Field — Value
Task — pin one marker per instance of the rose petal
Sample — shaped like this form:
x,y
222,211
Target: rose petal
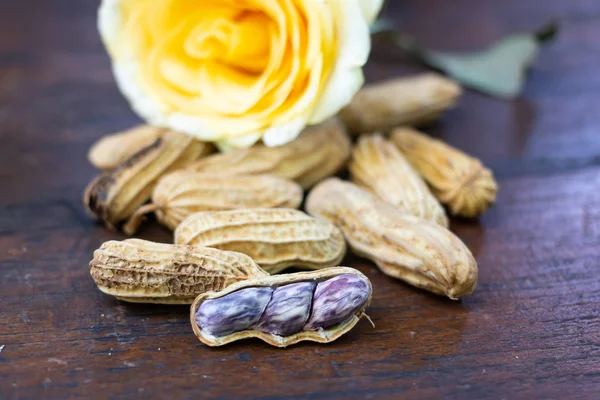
x,y
109,22
127,79
282,134
347,77
342,87
194,126
354,36
238,142
371,9
135,38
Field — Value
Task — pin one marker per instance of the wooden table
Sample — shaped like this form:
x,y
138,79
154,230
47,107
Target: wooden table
x,y
531,329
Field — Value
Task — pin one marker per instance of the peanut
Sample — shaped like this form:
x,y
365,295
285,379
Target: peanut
x,y
380,168
288,310
274,238
144,272
408,101
320,152
421,253
185,192
114,196
282,310
111,150
336,299
458,180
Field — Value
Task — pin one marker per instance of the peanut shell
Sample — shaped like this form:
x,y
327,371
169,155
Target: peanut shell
x,y
320,152
458,180
115,196
274,238
183,193
410,101
324,335
111,150
419,252
380,168
139,271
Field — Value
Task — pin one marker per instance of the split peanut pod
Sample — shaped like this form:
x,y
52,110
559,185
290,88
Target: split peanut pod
x,y
282,310
183,193
379,167
274,238
410,101
321,151
111,150
421,253
114,196
139,271
458,180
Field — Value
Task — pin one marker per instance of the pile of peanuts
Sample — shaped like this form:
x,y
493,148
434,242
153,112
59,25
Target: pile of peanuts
x,y
237,225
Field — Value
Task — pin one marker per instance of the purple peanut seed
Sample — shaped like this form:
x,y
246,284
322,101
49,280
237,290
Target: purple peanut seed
x,y
288,309
234,312
336,299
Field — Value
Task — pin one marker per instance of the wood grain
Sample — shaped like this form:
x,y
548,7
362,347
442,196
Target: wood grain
x,y
531,329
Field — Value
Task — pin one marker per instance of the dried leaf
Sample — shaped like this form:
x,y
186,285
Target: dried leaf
x,y
499,70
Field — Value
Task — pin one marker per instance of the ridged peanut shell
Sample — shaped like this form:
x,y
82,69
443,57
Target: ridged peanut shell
x,y
411,101
379,167
185,192
320,336
460,181
274,238
421,253
319,152
111,150
114,196
139,271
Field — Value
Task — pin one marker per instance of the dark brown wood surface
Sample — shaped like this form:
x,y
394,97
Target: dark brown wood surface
x,y
531,329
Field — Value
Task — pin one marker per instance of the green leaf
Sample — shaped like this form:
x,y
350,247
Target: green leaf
x,y
382,25
498,71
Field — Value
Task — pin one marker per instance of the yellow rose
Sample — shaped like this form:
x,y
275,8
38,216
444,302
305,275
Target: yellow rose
x,y
237,71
